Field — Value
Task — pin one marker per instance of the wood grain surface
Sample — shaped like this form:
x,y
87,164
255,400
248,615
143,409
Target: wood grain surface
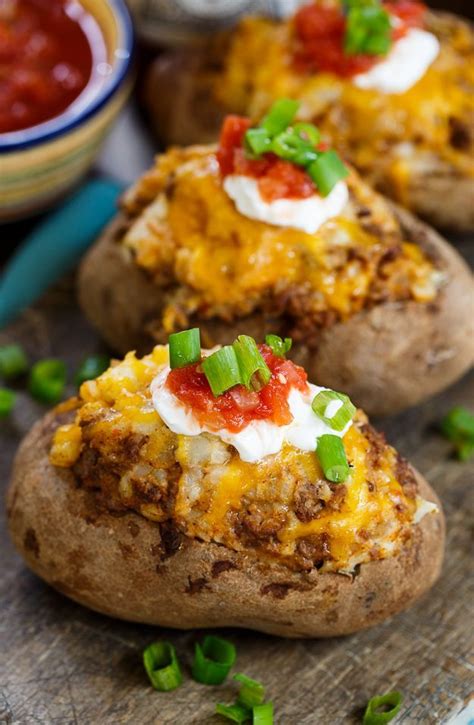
x,y
62,664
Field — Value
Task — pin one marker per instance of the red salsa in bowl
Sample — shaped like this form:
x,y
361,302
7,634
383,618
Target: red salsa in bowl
x,y
51,52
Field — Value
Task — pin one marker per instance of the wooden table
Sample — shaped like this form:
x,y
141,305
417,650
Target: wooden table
x,y
62,664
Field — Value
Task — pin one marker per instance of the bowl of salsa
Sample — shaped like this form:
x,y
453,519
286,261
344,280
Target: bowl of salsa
x,y
64,76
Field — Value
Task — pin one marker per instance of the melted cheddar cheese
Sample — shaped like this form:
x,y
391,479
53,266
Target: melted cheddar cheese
x,y
187,234
281,506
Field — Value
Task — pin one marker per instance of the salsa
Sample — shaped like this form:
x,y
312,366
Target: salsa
x,y
238,406
277,179
320,32
48,49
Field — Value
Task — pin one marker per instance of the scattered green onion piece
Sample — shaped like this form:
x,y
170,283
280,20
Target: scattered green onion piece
x,y
458,423
307,132
47,380
213,660
236,713
7,402
280,116
222,370
251,692
91,367
368,31
287,145
263,714
376,715
279,347
162,666
254,372
332,457
326,171
465,450
341,417
184,348
258,141
13,361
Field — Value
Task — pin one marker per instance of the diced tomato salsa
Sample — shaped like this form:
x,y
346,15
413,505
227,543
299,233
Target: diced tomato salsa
x,y
320,34
46,60
237,407
277,179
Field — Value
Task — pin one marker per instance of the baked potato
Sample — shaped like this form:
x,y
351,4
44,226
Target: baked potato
x,y
125,516
415,145
377,304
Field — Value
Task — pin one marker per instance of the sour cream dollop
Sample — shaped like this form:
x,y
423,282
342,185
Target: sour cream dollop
x,y
407,62
259,438
307,214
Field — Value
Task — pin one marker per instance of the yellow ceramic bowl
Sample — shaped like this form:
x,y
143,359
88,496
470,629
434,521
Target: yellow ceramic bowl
x,y
39,164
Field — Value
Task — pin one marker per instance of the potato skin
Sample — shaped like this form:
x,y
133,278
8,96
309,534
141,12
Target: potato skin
x,y
388,358
179,97
126,566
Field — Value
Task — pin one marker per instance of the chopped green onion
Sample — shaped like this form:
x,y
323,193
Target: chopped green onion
x,y
162,666
383,708
279,347
341,417
13,361
254,372
458,423
91,367
184,348
251,692
263,714
47,380
258,140
222,370
332,457
289,146
7,402
307,132
465,450
326,171
368,31
236,713
280,115
213,660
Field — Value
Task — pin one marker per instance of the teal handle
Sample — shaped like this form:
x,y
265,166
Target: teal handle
x,y
55,246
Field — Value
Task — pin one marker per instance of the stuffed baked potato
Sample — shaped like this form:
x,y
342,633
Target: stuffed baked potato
x,y
408,127
377,304
224,515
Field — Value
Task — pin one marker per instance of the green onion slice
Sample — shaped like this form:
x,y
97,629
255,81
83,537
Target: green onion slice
x,y
91,367
382,708
236,713
279,347
368,30
184,348
162,666
7,402
47,380
326,171
458,423
251,692
280,116
341,417
307,132
254,372
263,714
213,660
289,146
13,361
222,370
465,450
332,457
258,141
